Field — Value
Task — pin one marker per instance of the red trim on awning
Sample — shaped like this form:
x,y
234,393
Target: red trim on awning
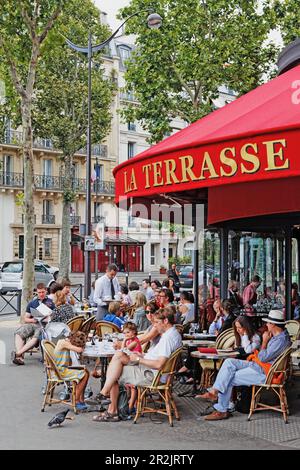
x,y
259,198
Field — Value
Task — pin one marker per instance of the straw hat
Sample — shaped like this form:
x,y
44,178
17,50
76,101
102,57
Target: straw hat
x,y
275,316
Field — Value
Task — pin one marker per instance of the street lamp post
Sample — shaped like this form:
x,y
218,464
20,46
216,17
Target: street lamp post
x,y
154,21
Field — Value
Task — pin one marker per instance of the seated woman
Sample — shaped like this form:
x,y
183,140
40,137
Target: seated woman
x,y
187,308
151,334
75,342
125,297
113,315
139,317
246,339
63,311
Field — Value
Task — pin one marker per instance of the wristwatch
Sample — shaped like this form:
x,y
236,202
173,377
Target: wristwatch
x,y
138,360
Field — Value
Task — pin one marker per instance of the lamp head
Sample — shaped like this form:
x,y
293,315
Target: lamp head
x,y
154,21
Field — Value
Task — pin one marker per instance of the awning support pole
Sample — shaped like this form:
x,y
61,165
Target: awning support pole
x,y
288,272
224,263
196,264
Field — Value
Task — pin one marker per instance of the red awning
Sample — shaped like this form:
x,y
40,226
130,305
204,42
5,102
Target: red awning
x,y
253,139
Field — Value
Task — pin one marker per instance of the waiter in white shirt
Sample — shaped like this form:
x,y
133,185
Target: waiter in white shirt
x,y
106,288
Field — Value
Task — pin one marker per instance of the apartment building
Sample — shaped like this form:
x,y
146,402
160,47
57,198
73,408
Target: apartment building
x,y
136,244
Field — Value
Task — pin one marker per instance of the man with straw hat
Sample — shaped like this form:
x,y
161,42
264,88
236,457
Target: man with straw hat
x,y
236,372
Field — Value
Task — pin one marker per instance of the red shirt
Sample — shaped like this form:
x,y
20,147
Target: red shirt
x,y
138,347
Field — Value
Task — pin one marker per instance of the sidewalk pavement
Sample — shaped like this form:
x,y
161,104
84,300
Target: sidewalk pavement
x,y
23,426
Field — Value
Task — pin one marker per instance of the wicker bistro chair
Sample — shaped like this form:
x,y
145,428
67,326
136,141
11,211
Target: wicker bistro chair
x,y
167,404
54,379
279,371
75,323
87,325
129,311
293,327
209,366
103,327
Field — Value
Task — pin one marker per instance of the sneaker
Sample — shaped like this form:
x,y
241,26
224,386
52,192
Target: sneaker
x,y
80,406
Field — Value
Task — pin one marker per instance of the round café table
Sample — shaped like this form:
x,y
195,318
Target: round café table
x,y
103,351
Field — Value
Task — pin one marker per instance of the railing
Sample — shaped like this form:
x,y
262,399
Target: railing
x,y
56,183
98,150
48,219
48,182
15,180
75,219
103,187
12,137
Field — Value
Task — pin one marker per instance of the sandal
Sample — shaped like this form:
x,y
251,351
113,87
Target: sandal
x,y
106,417
16,360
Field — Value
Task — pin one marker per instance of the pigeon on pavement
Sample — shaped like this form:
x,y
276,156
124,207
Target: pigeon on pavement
x,y
58,419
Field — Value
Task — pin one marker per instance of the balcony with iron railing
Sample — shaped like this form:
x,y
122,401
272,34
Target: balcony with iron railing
x,y
48,219
13,137
56,183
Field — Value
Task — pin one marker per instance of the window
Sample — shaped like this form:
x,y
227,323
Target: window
x,y
47,173
7,164
47,207
125,53
152,254
132,126
48,247
131,150
7,169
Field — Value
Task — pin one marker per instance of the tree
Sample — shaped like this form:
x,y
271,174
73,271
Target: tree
x,y
176,71
24,27
288,19
60,111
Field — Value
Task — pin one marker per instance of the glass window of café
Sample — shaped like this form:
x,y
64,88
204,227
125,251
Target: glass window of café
x,y
249,253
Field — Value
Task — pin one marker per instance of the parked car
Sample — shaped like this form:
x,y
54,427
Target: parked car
x,y
11,275
186,274
54,270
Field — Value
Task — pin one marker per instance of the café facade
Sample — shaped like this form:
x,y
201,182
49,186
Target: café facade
x,y
242,164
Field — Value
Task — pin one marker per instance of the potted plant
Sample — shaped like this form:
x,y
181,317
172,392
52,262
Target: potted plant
x,y
162,269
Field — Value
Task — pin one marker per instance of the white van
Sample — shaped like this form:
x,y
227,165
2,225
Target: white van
x,y
11,275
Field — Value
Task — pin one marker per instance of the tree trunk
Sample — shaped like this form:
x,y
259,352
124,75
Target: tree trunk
x,y
65,247
28,272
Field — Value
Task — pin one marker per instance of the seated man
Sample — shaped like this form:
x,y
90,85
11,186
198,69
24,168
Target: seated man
x,y
236,372
138,368
31,328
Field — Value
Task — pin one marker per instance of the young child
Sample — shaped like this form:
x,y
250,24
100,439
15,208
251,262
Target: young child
x,y
113,315
75,342
131,343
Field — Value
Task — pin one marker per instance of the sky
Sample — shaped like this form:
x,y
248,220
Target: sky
x,y
111,7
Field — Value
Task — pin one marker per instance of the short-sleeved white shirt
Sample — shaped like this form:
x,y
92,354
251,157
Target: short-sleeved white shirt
x,y
168,343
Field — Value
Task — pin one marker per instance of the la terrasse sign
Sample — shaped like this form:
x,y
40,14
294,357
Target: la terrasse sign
x,y
245,160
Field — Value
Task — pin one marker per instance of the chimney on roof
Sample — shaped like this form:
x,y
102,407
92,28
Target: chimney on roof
x,y
103,18
289,57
